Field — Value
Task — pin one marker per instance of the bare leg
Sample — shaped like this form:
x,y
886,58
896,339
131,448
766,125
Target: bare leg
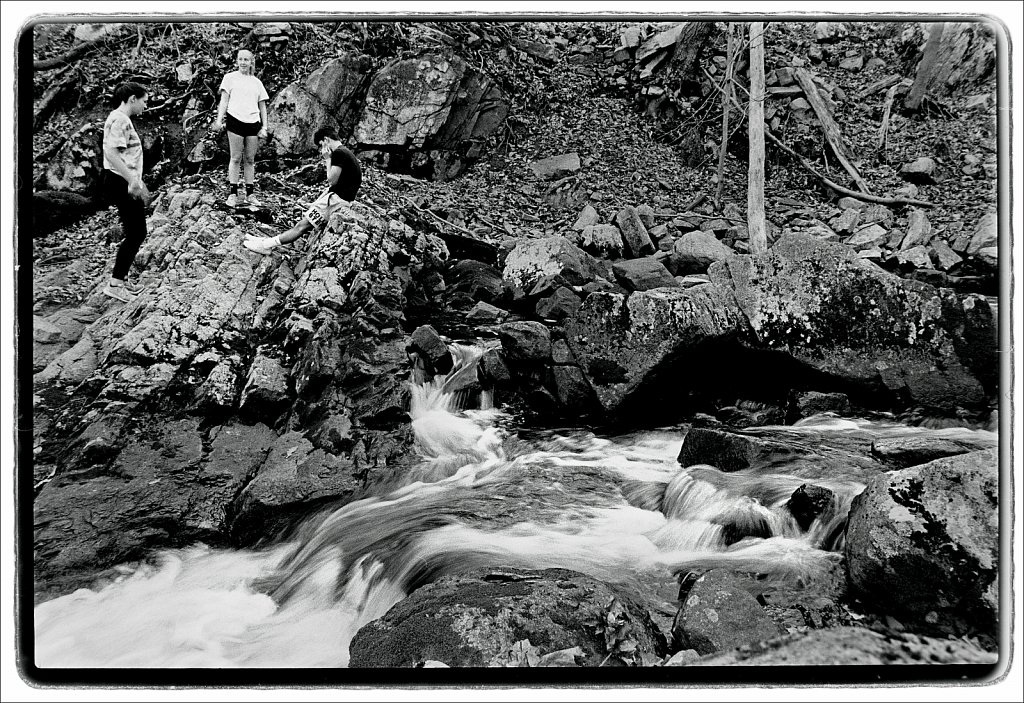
x,y
295,232
249,159
236,144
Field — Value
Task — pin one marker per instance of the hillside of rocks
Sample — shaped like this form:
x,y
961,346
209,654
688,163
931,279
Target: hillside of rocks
x,y
555,196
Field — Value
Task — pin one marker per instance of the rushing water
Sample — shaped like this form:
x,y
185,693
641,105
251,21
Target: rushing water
x,y
615,508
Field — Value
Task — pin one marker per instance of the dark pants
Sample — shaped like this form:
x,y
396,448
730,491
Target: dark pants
x,y
133,221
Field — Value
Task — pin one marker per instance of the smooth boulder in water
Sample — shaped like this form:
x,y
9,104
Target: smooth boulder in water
x,y
923,543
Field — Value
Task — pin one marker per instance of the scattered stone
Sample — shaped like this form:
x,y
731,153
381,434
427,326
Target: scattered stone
x,y
695,251
846,221
852,63
808,503
643,274
830,32
799,105
920,171
556,258
588,216
560,352
525,341
693,280
867,237
908,191
601,240
486,314
846,202
814,403
572,390
919,230
986,234
719,614
877,213
634,234
916,257
943,256
556,166
646,215
875,63
559,305
922,544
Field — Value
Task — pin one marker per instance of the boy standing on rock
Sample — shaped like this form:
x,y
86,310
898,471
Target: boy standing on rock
x,y
344,176
121,181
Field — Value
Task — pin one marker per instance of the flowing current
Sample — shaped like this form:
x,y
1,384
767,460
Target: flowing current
x,y
620,509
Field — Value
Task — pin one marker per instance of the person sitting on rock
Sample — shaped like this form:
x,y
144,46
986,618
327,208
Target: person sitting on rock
x,y
344,176
243,110
121,182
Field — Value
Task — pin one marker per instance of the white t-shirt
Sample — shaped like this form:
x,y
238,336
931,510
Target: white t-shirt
x,y
244,96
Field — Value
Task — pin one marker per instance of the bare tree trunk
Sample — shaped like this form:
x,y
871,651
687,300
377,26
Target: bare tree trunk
x,y
755,126
883,131
726,109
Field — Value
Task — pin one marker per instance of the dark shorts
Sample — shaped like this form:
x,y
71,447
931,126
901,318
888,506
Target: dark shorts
x,y
243,129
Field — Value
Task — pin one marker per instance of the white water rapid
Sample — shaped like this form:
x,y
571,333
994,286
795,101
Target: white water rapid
x,y
612,508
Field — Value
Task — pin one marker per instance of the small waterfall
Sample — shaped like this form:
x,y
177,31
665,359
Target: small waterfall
x,y
614,508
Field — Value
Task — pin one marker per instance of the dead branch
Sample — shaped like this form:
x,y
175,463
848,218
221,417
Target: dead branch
x,y
878,85
726,109
828,125
435,216
68,56
830,183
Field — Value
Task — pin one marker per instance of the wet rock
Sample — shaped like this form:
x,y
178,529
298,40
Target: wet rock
x,y
265,394
588,216
814,402
429,344
920,171
479,280
731,451
601,240
555,258
808,503
719,614
853,645
486,314
903,452
525,341
922,544
294,479
556,166
559,305
572,390
479,618
643,274
695,251
634,234
494,369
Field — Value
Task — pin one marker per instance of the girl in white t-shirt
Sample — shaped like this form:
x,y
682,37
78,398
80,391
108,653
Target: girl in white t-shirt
x,y
243,110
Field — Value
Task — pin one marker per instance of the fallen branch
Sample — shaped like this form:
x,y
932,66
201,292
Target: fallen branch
x,y
866,197
435,216
68,56
828,126
878,85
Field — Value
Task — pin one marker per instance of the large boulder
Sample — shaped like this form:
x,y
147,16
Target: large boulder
x,y
923,544
902,340
553,258
695,251
647,273
499,617
618,340
433,104
293,116
77,165
340,85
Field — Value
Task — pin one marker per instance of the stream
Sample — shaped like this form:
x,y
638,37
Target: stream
x,y
617,508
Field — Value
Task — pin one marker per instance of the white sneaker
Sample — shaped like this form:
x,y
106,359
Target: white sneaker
x,y
232,200
260,245
118,292
253,202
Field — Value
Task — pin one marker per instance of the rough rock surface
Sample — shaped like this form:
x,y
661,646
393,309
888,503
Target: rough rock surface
x,y
922,543
554,258
479,618
719,614
852,645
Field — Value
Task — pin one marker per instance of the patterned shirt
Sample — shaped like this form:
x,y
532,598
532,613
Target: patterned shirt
x,y
119,132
